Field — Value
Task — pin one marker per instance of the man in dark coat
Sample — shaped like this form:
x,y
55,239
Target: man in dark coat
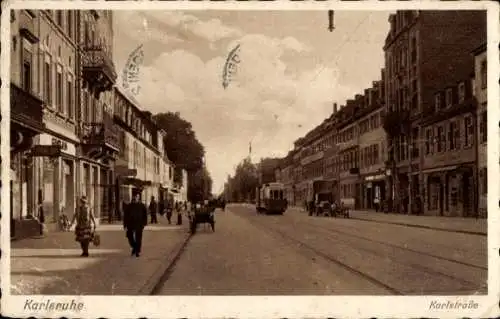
x,y
134,221
152,210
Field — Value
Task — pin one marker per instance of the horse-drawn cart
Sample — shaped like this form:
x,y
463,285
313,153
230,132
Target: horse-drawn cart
x,y
203,215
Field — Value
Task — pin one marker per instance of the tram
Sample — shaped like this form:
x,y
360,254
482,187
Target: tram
x,y
271,199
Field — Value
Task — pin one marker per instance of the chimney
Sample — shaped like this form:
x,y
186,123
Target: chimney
x,y
335,109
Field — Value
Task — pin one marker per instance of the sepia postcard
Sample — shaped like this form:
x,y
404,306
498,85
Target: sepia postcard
x,y
250,159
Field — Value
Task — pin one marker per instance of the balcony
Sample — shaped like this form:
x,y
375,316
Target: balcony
x,y
101,140
26,109
27,26
98,69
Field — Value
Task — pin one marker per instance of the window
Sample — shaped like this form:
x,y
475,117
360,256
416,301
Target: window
x,y
449,97
69,23
437,101
484,74
451,135
27,76
441,145
483,127
60,91
468,131
69,98
375,154
86,108
428,141
59,17
47,76
461,92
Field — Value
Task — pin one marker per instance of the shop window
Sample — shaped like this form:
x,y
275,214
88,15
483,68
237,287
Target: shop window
x,y
434,196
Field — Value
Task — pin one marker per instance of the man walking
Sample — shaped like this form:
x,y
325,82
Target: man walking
x,y
134,221
152,210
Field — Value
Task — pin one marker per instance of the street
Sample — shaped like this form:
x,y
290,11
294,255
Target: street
x,y
294,254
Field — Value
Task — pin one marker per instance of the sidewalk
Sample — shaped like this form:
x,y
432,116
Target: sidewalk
x,y
52,265
452,224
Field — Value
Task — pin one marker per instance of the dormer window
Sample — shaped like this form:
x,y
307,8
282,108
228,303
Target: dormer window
x,y
461,92
437,101
449,97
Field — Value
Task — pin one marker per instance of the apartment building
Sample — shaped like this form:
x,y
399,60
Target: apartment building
x,y
480,92
372,147
27,122
450,152
96,129
420,47
139,160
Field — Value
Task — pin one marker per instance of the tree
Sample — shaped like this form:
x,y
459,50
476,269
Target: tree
x,y
184,149
181,144
245,180
200,185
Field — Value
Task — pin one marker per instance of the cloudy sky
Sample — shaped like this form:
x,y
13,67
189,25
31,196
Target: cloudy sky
x,y
291,71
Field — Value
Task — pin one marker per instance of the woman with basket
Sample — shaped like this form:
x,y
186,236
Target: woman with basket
x,y
85,226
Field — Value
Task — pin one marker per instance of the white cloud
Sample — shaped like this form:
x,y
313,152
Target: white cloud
x,y
266,104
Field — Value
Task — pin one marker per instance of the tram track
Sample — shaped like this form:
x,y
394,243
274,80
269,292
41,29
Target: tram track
x,y
398,246
412,265
273,231
329,235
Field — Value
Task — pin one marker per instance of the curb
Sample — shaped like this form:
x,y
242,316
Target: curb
x,y
422,226
156,280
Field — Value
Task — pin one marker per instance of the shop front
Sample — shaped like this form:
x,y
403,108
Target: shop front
x,y
374,190
451,191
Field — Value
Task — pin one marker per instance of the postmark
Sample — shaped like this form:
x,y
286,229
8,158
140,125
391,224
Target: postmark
x,y
231,66
131,71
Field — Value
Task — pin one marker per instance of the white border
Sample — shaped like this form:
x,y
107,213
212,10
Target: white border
x,y
265,306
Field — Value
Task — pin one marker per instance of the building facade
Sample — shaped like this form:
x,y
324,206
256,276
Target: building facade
x,y
139,159
450,152
480,92
414,66
99,146
372,148
27,105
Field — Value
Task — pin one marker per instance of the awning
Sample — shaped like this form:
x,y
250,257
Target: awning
x,y
136,182
440,169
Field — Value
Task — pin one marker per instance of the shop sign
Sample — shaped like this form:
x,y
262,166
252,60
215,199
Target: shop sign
x,y
374,177
64,145
46,151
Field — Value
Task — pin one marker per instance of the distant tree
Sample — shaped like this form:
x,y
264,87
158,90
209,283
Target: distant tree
x,y
245,180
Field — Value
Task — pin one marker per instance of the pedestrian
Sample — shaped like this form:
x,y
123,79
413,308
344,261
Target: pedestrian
x,y
134,221
376,202
152,210
169,211
85,225
179,215
161,205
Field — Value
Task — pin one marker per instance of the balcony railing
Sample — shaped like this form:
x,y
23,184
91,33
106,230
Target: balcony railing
x,y
104,133
25,107
96,62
